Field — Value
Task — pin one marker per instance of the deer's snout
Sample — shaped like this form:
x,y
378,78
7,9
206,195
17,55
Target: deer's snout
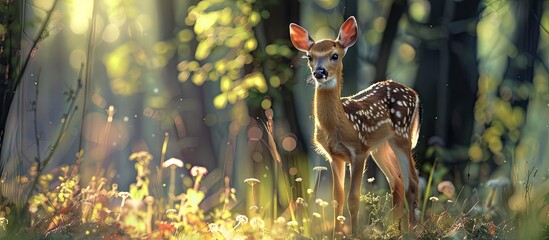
x,y
320,73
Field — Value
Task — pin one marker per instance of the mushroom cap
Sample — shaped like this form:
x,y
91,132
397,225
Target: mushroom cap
x,y
198,170
124,194
433,198
172,162
149,199
171,211
320,168
141,155
446,187
251,181
498,182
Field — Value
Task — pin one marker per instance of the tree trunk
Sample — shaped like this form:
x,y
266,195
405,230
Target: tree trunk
x,y
10,59
447,78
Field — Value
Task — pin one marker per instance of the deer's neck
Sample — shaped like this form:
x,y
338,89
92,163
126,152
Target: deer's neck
x,y
328,109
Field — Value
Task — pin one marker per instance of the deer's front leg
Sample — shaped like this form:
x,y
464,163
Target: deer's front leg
x,y
338,181
357,172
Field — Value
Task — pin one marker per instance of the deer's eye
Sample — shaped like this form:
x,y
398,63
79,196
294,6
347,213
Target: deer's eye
x,y
334,57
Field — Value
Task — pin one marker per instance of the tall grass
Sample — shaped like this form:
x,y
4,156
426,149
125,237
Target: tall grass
x,y
63,206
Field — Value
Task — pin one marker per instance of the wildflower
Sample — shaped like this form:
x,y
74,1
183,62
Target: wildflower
x,y
280,220
299,200
85,207
323,204
292,224
371,180
213,227
446,188
491,228
114,190
341,219
299,179
257,223
166,229
33,209
309,191
433,199
102,182
3,222
242,218
334,203
317,215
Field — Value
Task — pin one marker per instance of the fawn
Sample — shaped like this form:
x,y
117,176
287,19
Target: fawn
x,y
382,120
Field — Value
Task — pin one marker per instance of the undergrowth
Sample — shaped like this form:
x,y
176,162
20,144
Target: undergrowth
x,y
64,207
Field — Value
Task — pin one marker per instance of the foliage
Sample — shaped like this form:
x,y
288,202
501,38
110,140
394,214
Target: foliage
x,y
62,209
231,51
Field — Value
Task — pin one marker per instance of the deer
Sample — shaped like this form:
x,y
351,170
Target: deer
x,y
381,121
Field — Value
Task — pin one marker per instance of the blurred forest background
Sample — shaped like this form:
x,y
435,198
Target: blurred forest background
x,y
89,82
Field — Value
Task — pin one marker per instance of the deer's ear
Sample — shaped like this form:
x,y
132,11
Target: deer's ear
x,y
300,38
348,33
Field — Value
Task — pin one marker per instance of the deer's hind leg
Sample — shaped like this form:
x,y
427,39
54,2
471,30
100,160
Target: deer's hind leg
x,y
387,162
402,150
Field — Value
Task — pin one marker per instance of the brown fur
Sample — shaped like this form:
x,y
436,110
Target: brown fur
x,y
380,121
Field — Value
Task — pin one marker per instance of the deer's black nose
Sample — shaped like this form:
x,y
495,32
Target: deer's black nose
x,y
320,73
